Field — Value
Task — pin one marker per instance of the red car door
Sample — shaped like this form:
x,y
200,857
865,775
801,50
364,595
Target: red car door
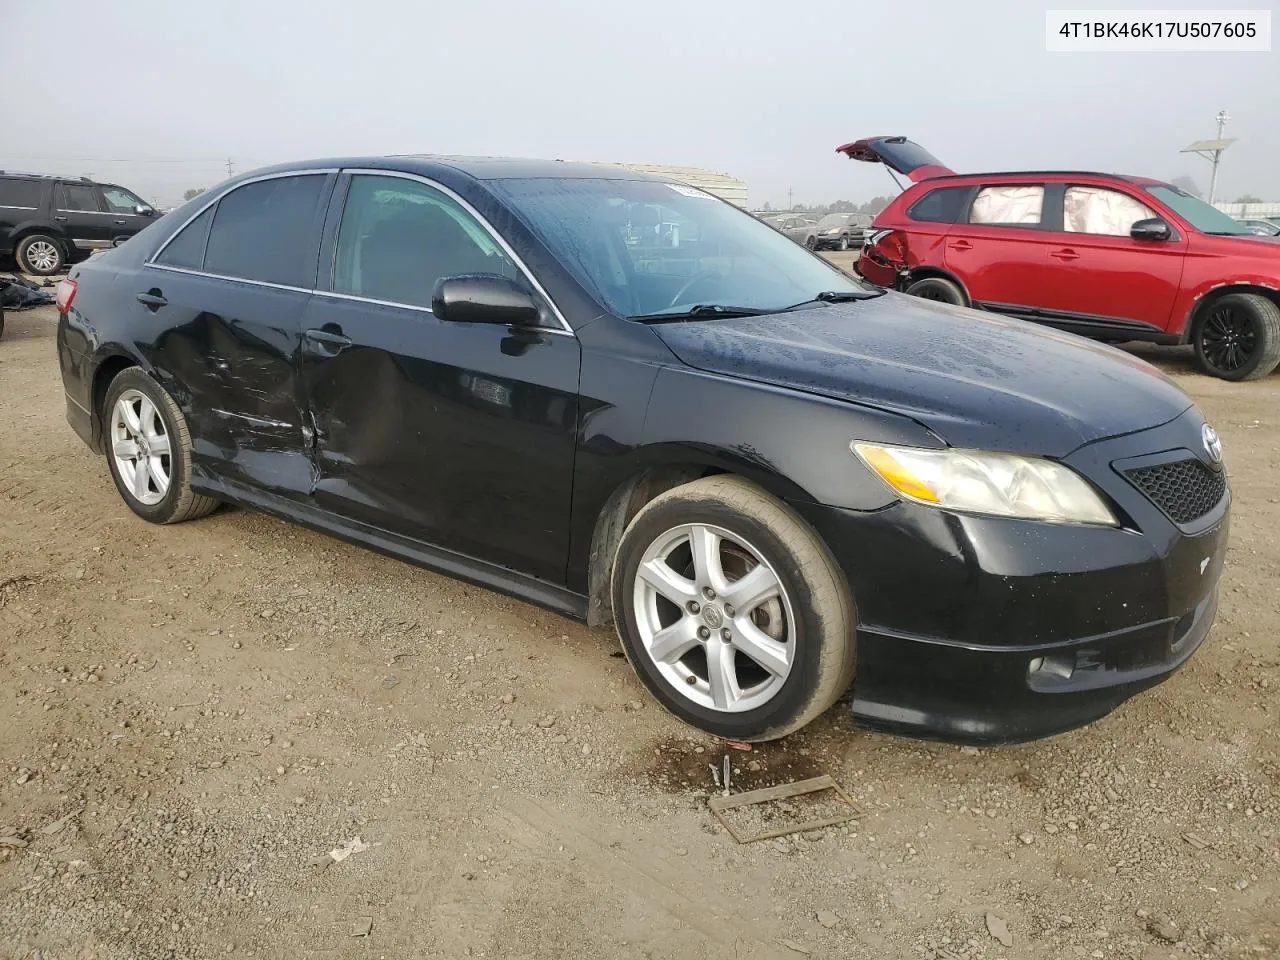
x,y
1000,250
1102,274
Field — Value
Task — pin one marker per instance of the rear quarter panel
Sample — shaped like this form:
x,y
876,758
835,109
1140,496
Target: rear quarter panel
x,y
1213,263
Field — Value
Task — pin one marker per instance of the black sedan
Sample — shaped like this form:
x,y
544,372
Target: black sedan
x,y
762,471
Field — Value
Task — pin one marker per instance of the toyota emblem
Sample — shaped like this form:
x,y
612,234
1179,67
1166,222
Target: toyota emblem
x,y
1212,445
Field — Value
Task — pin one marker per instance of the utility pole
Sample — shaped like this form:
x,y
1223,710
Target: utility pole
x,y
1222,119
1211,150
790,206
230,168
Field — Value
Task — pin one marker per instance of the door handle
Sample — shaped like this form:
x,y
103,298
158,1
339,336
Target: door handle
x,y
1065,254
326,344
152,301
119,221
61,219
961,245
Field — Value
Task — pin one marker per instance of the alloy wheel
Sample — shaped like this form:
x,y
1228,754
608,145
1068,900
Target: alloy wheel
x,y
43,255
1228,339
714,618
141,449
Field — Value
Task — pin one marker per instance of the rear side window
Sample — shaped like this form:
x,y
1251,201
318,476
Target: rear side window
x,y
268,231
940,205
187,248
1018,205
79,196
20,193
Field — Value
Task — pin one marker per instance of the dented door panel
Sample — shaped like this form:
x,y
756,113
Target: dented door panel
x,y
461,435
232,348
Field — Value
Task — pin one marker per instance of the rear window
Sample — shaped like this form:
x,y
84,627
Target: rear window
x,y
78,196
20,193
268,231
940,205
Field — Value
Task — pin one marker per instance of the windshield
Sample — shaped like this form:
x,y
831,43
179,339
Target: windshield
x,y
836,219
645,248
1202,216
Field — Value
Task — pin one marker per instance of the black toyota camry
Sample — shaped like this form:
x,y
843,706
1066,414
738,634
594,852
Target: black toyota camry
x,y
629,401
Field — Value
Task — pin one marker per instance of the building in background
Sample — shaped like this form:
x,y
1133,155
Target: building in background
x,y
717,184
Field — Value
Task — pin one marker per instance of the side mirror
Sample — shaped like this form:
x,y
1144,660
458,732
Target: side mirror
x,y
143,210
1153,228
484,298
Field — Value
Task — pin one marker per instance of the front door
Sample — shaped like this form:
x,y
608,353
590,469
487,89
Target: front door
x,y
1101,274
459,435
125,220
81,213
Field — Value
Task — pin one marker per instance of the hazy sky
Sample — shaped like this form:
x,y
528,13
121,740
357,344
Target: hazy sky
x,y
760,89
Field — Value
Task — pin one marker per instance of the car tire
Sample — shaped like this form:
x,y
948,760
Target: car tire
x,y
797,615
1238,337
939,289
40,255
843,244
144,429
811,243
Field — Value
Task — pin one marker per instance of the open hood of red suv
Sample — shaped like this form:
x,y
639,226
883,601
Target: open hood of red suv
x,y
897,153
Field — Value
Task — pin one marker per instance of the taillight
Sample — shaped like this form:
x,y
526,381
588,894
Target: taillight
x,y
65,293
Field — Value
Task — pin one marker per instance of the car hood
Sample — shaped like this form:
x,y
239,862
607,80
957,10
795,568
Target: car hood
x,y
975,379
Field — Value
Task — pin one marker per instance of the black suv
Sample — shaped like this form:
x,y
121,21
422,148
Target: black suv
x,y
48,222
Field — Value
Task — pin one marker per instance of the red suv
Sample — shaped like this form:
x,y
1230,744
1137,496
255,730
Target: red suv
x,y
1112,257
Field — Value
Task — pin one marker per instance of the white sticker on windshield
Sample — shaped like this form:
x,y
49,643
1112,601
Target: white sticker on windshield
x,y
686,191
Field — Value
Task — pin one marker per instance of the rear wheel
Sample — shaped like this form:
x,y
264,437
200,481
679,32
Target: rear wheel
x,y
149,450
40,255
732,611
1238,338
936,288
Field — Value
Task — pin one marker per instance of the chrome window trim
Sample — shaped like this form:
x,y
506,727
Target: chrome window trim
x,y
565,330
151,261
6,206
488,228
98,213
222,276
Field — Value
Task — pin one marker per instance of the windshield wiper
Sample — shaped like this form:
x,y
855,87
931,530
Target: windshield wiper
x,y
835,296
702,310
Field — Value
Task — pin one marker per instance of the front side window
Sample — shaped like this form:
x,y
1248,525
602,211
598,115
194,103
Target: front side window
x,y
1103,212
20,193
268,231
120,200
400,237
79,197
1203,216
647,248
1012,205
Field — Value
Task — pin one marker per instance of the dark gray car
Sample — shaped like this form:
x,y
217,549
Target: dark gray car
x,y
840,231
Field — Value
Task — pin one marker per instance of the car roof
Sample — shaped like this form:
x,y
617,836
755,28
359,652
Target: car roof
x,y
1011,174
479,168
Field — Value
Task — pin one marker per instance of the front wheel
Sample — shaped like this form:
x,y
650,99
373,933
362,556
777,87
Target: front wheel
x,y
844,243
1239,337
149,450
732,610
811,242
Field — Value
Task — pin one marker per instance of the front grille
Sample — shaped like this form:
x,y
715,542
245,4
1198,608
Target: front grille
x,y
1185,490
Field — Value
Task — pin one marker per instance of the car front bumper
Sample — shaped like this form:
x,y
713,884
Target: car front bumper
x,y
988,630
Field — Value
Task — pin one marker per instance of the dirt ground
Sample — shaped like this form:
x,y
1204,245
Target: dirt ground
x,y
194,716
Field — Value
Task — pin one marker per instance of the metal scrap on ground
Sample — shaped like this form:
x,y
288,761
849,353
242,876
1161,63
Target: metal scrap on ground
x,y
784,791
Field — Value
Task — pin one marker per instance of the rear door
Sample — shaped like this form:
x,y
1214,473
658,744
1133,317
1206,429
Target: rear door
x,y
21,200
82,214
225,297
461,435
125,220
999,249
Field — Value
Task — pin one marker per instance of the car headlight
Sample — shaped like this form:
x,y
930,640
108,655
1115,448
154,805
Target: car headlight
x,y
997,484
833,231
